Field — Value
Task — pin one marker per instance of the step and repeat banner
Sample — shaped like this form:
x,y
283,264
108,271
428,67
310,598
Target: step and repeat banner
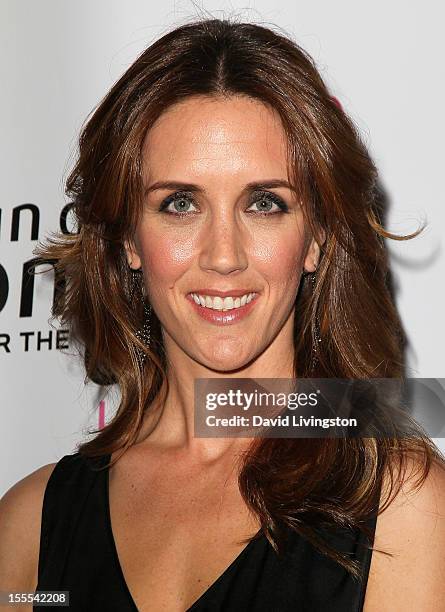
x,y
58,60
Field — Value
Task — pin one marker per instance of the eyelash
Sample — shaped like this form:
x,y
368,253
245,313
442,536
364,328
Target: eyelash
x,y
259,195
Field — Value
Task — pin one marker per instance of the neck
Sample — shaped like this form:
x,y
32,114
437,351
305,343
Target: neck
x,y
174,428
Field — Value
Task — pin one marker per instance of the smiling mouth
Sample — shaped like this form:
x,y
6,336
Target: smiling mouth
x,y
219,303
223,310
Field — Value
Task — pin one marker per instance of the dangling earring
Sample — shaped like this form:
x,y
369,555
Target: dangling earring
x,y
315,348
143,334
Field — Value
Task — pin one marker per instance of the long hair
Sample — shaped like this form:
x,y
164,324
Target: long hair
x,y
302,484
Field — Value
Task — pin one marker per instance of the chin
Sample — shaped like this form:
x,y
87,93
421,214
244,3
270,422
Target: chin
x,y
225,359
226,368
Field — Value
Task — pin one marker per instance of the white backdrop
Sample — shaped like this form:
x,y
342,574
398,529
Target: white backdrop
x,y
383,60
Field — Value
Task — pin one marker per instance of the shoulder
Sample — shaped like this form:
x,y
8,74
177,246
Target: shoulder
x,y
20,522
412,530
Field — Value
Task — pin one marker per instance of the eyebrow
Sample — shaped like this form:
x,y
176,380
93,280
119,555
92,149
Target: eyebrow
x,y
253,186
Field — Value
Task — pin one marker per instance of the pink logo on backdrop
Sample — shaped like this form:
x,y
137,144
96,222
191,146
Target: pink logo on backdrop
x,y
101,414
337,102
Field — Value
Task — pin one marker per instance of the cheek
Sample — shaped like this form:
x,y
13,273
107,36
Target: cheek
x,y
165,257
280,257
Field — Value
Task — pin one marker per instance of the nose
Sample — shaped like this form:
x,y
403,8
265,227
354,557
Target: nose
x,y
223,245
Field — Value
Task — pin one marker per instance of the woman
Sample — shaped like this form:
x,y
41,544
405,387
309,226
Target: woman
x,y
228,227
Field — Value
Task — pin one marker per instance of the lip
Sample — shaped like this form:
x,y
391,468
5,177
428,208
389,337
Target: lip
x,y
223,317
229,292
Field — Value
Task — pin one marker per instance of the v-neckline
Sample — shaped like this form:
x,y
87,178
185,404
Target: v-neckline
x,y
117,562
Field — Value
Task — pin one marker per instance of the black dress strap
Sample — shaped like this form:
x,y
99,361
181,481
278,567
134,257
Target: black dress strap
x,y
67,496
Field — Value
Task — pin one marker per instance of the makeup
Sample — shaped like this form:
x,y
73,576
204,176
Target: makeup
x,y
222,317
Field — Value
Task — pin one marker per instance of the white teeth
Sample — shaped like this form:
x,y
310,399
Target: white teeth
x,y
218,303
228,303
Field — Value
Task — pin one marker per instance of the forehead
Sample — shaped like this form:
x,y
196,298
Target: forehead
x,y
202,135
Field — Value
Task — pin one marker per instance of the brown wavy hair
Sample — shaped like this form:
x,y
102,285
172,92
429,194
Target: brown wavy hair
x,y
302,484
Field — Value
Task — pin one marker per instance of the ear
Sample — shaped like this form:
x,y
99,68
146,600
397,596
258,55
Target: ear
x,y
133,258
313,253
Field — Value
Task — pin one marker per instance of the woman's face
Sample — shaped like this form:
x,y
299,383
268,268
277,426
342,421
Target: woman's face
x,y
222,241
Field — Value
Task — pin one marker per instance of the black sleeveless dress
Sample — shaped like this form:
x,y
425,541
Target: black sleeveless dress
x,y
78,554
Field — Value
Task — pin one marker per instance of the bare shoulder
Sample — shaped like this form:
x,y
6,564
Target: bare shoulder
x,y
412,529
20,522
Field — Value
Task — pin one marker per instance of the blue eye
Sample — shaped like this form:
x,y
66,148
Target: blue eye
x,y
181,202
266,201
